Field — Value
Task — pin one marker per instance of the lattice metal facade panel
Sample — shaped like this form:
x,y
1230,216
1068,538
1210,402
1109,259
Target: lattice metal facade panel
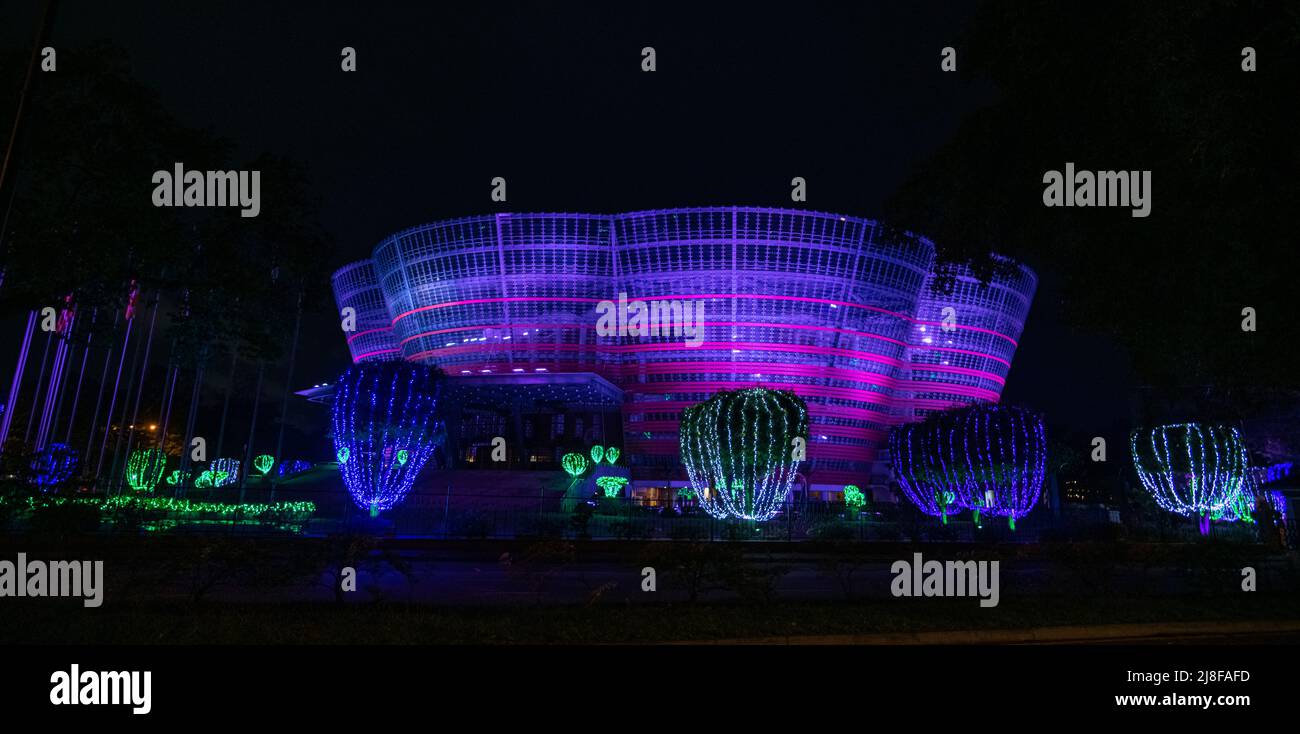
x,y
357,287
963,356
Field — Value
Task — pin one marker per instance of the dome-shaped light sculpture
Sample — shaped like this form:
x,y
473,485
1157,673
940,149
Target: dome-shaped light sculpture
x,y
574,464
144,470
1191,469
914,453
991,459
263,463
740,450
51,466
384,411
1004,449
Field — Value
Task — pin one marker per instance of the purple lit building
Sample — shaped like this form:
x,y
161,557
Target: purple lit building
x,y
835,308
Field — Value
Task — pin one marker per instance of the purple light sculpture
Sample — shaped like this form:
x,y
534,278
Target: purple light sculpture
x,y
990,459
915,456
1005,453
382,409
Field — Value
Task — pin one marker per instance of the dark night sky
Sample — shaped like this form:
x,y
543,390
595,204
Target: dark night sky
x,y
552,97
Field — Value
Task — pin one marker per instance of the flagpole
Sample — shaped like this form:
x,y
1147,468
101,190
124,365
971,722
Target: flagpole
x,y
15,387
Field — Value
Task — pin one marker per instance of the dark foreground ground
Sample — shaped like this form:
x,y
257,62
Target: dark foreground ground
x,y
1225,620
223,589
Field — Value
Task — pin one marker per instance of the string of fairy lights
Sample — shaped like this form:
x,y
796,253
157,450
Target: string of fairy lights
x,y
989,459
385,430
182,509
144,470
739,450
52,465
918,467
1192,469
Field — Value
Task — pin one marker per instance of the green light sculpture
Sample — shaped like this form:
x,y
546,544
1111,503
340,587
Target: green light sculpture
x,y
742,449
210,479
613,486
597,453
263,463
145,469
611,454
854,498
574,464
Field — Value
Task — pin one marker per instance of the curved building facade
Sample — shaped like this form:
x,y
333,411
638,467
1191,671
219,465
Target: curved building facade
x,y
963,355
357,287
835,308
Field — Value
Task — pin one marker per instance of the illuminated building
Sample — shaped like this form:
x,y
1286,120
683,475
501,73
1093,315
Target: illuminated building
x,y
837,309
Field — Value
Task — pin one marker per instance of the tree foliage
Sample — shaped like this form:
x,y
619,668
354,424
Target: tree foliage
x,y
1141,86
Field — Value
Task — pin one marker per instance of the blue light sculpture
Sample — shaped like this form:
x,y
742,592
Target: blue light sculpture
x,y
382,409
51,466
290,468
225,472
1278,501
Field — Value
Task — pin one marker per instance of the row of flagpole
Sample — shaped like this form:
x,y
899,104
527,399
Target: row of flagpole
x,y
102,468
